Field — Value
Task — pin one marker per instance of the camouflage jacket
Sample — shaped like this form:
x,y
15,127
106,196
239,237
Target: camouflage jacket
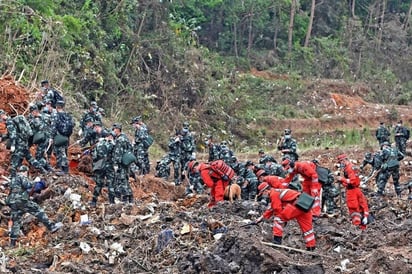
x,y
121,146
266,158
382,133
140,135
18,189
187,143
90,136
174,147
40,123
214,151
12,131
94,115
401,132
103,150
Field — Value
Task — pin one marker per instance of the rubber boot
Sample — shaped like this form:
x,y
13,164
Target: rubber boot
x,y
65,169
130,199
111,199
310,248
125,198
13,242
277,240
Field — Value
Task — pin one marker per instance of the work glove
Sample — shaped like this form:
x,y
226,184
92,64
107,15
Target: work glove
x,y
116,168
80,133
77,142
37,179
12,148
365,220
50,141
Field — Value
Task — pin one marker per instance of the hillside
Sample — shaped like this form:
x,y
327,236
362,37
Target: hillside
x,y
166,232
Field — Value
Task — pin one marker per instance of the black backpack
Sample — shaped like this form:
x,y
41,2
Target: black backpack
x,y
65,124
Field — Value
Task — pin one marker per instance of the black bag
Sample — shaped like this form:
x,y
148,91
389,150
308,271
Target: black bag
x,y
99,165
65,124
305,202
61,140
148,141
323,174
128,158
39,137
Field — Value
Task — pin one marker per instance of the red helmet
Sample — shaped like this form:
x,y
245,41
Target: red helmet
x,y
342,157
262,187
260,172
286,162
191,165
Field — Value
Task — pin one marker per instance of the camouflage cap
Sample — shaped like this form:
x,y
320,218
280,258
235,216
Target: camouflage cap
x,y
117,125
136,119
93,103
88,119
44,82
33,107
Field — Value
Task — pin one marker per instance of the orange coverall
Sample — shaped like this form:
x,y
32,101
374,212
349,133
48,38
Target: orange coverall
x,y
310,184
355,200
214,182
275,181
282,206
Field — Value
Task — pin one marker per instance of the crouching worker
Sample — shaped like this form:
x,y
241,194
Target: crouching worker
x,y
20,203
285,205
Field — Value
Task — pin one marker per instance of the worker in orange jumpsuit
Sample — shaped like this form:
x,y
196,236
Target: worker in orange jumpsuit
x,y
211,179
310,184
355,199
282,207
272,180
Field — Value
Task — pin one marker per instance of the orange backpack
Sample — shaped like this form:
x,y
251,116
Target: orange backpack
x,y
222,169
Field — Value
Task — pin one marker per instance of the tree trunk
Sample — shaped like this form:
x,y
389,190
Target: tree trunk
x,y
381,23
250,36
352,8
408,16
312,15
291,22
235,40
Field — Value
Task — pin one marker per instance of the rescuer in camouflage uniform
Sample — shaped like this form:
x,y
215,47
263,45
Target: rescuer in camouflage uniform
x,y
140,147
59,150
48,113
288,146
226,153
92,114
382,134
390,167
329,191
246,178
163,168
401,136
19,146
40,125
89,134
187,148
103,171
20,203
121,146
174,157
213,149
264,158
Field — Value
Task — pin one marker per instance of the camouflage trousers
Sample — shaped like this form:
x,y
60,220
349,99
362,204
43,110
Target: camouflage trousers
x,y
40,150
329,192
249,189
384,176
143,161
121,182
19,208
61,155
104,178
22,152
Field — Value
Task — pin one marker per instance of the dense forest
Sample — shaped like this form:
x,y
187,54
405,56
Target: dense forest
x,y
191,59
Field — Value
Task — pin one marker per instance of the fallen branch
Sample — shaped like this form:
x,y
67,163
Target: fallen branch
x,y
296,249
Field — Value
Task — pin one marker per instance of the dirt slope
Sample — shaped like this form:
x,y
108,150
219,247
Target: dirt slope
x,y
166,232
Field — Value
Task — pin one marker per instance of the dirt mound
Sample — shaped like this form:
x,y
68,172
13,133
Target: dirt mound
x,y
14,98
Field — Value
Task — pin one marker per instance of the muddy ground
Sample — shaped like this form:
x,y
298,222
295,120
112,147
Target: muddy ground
x,y
166,232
